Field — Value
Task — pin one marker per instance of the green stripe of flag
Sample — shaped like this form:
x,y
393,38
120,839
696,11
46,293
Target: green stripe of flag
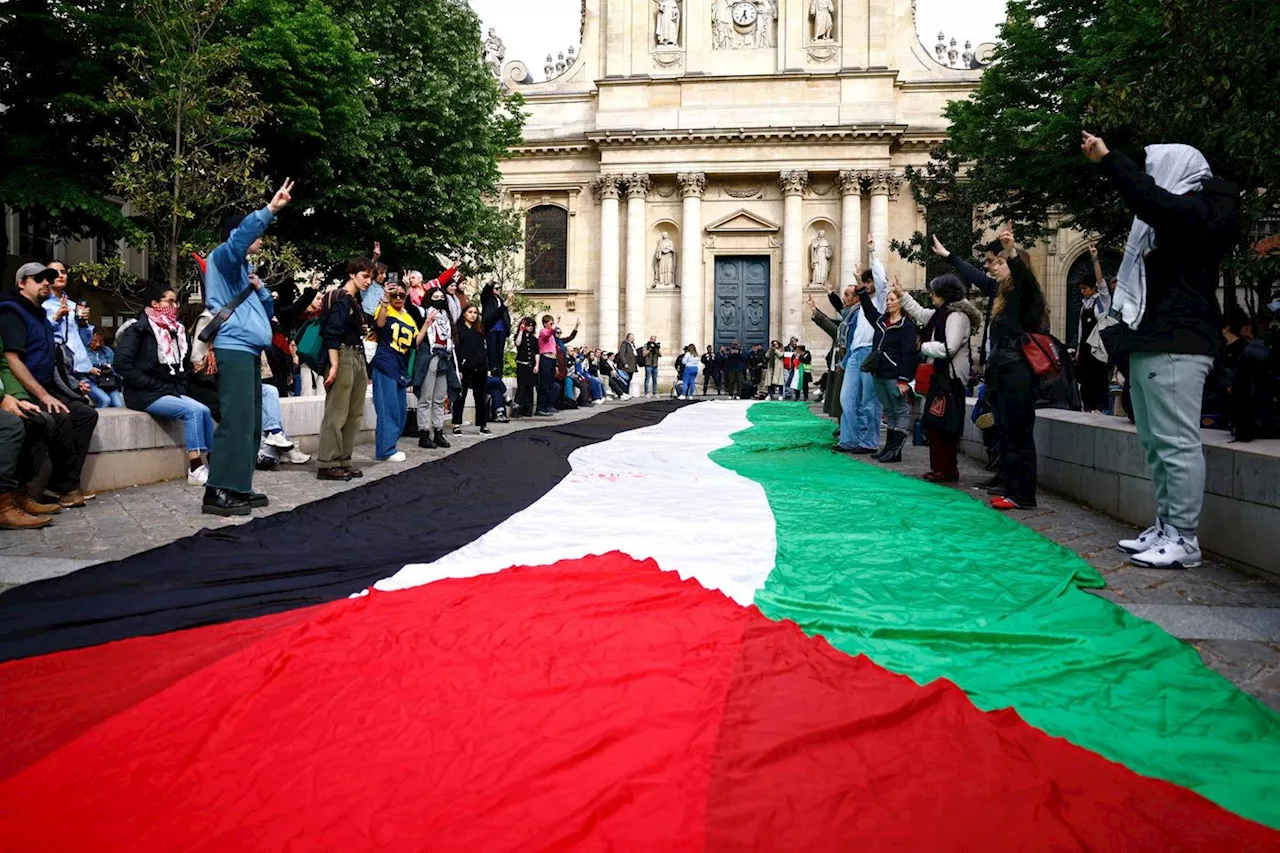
x,y
930,583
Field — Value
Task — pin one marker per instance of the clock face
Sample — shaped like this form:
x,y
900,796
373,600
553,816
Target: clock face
x,y
744,13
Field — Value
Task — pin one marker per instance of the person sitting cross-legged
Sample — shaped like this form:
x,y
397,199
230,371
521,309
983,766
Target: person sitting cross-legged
x,y
153,357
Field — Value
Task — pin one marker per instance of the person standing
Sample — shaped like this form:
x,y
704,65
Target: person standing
x,y
430,374
712,367
627,358
735,370
895,346
398,334
688,373
496,318
526,360
470,345
343,332
859,405
72,331
1094,373
652,354
244,333
948,327
1185,223
548,353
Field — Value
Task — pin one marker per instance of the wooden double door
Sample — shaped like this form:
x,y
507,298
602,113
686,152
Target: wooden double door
x,y
741,301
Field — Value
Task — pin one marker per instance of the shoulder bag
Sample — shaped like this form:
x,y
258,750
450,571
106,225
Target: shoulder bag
x,y
944,401
1042,355
210,331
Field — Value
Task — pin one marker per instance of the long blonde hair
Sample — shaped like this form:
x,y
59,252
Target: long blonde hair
x,y
1007,284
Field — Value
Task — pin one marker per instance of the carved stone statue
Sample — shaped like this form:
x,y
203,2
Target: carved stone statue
x,y
766,23
823,13
966,58
953,55
495,53
667,31
941,48
820,260
722,33
664,262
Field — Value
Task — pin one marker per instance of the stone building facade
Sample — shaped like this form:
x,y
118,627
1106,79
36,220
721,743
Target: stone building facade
x,y
682,175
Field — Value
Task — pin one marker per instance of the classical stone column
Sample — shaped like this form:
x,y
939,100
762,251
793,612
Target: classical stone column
x,y
793,268
637,256
850,226
692,296
883,184
606,189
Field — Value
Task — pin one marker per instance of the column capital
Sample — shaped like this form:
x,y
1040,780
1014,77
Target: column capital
x,y
606,186
793,182
692,184
850,182
884,182
638,185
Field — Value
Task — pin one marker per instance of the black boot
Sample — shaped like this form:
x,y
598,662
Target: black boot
x,y
255,499
224,502
439,440
425,440
893,447
997,480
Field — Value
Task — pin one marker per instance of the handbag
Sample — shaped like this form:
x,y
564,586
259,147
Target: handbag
x,y
1042,355
311,350
924,378
944,400
871,363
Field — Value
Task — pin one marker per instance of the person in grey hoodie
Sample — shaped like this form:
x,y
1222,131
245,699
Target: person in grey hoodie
x,y
238,347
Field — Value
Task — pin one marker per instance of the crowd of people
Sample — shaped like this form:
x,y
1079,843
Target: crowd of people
x,y
223,367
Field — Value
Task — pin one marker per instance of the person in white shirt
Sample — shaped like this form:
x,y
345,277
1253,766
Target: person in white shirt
x,y
1093,373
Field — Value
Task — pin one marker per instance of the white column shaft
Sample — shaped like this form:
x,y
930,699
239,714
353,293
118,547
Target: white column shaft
x,y
608,294
850,238
792,264
691,284
880,222
636,268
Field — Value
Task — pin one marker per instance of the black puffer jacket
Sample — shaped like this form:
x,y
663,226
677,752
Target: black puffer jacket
x,y
897,344
1194,232
144,378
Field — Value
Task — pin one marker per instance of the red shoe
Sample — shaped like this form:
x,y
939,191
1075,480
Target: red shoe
x,y
1003,503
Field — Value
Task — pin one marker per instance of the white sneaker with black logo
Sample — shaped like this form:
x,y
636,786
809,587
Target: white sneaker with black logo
x,y
1173,551
1146,540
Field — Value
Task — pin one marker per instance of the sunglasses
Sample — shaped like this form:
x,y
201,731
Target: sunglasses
x,y
48,276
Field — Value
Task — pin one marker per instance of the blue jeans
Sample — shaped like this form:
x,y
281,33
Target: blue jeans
x,y
197,420
497,390
690,383
105,399
271,417
860,410
391,406
650,375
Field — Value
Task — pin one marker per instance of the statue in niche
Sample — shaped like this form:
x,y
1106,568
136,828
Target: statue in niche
x,y
767,23
664,262
819,260
722,33
667,31
823,13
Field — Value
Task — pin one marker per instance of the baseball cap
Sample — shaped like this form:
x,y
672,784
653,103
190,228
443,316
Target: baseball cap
x,y
31,271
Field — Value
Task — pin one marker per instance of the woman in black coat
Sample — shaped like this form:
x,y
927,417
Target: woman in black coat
x,y
469,346
496,317
153,358
896,347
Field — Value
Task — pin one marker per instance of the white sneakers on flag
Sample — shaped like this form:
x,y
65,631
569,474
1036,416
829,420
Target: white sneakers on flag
x,y
1163,547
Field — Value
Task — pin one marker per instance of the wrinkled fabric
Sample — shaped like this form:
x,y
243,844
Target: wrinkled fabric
x,y
932,584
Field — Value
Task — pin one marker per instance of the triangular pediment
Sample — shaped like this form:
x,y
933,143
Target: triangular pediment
x,y
743,221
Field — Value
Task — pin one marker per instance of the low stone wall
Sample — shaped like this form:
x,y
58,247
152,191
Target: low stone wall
x,y
1098,460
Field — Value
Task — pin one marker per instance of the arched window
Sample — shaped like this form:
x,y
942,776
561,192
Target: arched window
x,y
546,247
1082,270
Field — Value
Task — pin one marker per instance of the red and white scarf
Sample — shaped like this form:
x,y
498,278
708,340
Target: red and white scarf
x,y
171,338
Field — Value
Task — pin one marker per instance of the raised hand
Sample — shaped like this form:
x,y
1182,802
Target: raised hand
x,y
939,249
377,250
896,287
1093,147
1006,236
871,243
1093,252
808,300
283,196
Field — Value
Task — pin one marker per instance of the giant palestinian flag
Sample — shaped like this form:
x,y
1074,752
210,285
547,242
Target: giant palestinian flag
x,y
665,628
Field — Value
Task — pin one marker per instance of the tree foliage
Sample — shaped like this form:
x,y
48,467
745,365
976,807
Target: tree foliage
x,y
184,158
1136,72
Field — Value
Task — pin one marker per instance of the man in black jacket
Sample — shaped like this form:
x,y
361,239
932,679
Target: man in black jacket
x,y
1185,223
345,384
712,367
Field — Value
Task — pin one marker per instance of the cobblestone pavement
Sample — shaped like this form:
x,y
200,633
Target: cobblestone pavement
x,y
1232,618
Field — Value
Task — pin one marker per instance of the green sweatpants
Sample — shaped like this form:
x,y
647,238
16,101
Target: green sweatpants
x,y
236,440
343,410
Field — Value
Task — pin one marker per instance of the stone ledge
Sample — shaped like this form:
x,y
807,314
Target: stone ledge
x,y
1098,460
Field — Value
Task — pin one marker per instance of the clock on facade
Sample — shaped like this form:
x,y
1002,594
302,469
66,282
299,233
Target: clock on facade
x,y
744,13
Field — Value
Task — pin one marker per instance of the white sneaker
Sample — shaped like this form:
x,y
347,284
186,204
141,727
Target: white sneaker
x,y
278,441
297,457
1173,551
1146,540
398,456
626,396
198,477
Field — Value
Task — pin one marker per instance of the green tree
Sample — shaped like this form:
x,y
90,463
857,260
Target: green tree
x,y
55,63
184,157
1137,72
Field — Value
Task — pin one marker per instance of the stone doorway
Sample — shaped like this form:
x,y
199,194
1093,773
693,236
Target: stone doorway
x,y
741,300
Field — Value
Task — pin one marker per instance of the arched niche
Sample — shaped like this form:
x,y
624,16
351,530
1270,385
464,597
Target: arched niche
x,y
656,232
831,233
